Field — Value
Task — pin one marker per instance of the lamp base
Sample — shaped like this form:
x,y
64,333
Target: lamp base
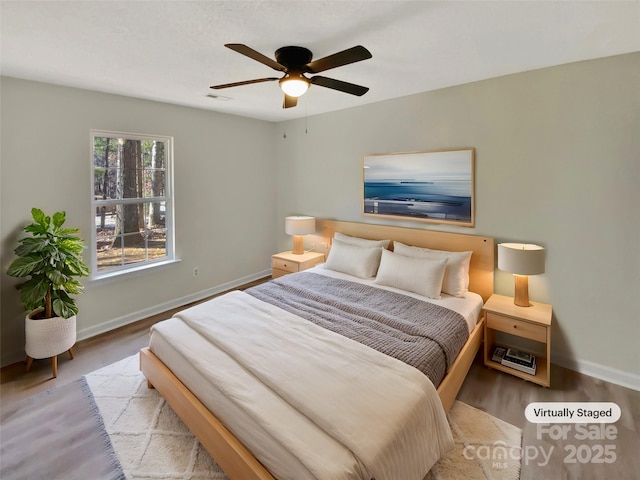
x,y
298,245
521,297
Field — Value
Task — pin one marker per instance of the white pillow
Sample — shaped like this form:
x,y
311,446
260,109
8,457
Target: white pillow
x,y
418,275
456,274
361,262
360,242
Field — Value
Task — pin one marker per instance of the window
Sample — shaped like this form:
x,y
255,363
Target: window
x,y
132,202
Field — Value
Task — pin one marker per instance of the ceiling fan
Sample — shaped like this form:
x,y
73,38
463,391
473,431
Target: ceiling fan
x,y
295,62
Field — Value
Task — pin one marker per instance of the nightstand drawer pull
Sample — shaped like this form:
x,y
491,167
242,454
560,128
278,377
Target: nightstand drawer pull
x,y
525,329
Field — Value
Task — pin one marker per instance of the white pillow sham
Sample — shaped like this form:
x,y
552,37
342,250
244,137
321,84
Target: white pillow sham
x,y
358,261
360,242
456,274
418,275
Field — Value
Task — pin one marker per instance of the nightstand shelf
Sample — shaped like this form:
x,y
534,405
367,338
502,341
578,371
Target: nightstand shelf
x,y
541,377
287,262
531,323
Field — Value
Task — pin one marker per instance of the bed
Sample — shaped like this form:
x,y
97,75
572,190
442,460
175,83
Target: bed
x,y
254,398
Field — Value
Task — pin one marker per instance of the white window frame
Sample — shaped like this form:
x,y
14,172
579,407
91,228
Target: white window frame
x,y
167,199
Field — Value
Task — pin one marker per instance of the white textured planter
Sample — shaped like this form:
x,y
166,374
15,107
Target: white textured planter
x,y
48,337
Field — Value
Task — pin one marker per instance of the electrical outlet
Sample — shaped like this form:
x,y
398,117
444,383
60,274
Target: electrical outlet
x,y
196,271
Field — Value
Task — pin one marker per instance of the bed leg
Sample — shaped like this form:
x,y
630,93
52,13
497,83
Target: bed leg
x,y
150,385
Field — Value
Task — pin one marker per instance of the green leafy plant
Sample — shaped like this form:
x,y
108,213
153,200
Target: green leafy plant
x,y
52,256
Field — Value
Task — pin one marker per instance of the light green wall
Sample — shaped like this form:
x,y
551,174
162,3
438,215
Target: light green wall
x,y
557,164
224,196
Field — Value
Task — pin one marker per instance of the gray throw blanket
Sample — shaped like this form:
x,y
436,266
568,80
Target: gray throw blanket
x,y
421,334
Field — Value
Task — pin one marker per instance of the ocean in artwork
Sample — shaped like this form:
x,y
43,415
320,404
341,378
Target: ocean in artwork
x,y
441,200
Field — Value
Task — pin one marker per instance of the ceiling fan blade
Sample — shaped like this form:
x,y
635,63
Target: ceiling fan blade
x,y
246,82
345,57
345,87
251,53
289,101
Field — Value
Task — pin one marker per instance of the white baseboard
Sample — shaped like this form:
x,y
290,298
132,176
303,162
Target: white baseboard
x,y
163,307
18,355
608,374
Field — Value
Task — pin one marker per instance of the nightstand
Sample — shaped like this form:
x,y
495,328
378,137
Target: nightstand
x,y
532,323
286,262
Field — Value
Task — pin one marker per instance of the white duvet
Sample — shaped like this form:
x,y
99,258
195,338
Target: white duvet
x,y
339,409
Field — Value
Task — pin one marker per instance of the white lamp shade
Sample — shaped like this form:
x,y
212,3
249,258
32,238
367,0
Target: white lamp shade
x,y
299,225
521,258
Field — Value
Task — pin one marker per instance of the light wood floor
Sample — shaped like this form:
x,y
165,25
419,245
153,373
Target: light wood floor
x,y
497,393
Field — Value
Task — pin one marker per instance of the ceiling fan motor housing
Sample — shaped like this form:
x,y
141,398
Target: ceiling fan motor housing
x,y
294,58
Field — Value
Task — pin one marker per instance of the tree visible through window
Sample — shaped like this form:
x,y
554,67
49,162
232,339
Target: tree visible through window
x,y
132,201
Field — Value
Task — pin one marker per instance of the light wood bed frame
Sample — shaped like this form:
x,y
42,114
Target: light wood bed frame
x,y
232,456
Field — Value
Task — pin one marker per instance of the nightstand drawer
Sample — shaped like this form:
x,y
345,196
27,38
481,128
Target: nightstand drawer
x,y
516,327
285,265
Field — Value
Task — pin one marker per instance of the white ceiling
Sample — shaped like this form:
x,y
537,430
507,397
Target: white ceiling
x,y
171,51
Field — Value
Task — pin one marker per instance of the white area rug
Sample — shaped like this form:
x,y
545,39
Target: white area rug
x,y
148,437
151,442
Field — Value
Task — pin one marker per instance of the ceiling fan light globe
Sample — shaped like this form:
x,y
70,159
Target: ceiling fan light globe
x,y
294,86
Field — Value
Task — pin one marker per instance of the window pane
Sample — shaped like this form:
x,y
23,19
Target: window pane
x,y
130,183
155,215
105,221
135,248
108,255
106,183
106,161
157,243
132,217
154,183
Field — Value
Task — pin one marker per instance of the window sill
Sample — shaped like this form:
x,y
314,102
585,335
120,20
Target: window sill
x,y
130,272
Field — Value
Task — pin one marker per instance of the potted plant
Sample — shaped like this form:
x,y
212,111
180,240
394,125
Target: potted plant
x,y
52,257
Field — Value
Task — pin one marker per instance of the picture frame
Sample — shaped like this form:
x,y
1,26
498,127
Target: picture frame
x,y
432,186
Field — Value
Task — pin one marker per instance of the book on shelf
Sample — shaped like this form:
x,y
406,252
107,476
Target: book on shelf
x,y
518,360
519,357
516,366
498,354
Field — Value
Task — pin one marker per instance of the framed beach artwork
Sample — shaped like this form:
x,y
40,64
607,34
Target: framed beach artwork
x,y
435,187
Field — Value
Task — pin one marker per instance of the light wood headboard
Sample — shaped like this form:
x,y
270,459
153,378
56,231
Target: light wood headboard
x,y
482,261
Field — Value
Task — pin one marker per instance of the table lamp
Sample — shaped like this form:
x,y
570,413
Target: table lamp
x,y
521,259
299,226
